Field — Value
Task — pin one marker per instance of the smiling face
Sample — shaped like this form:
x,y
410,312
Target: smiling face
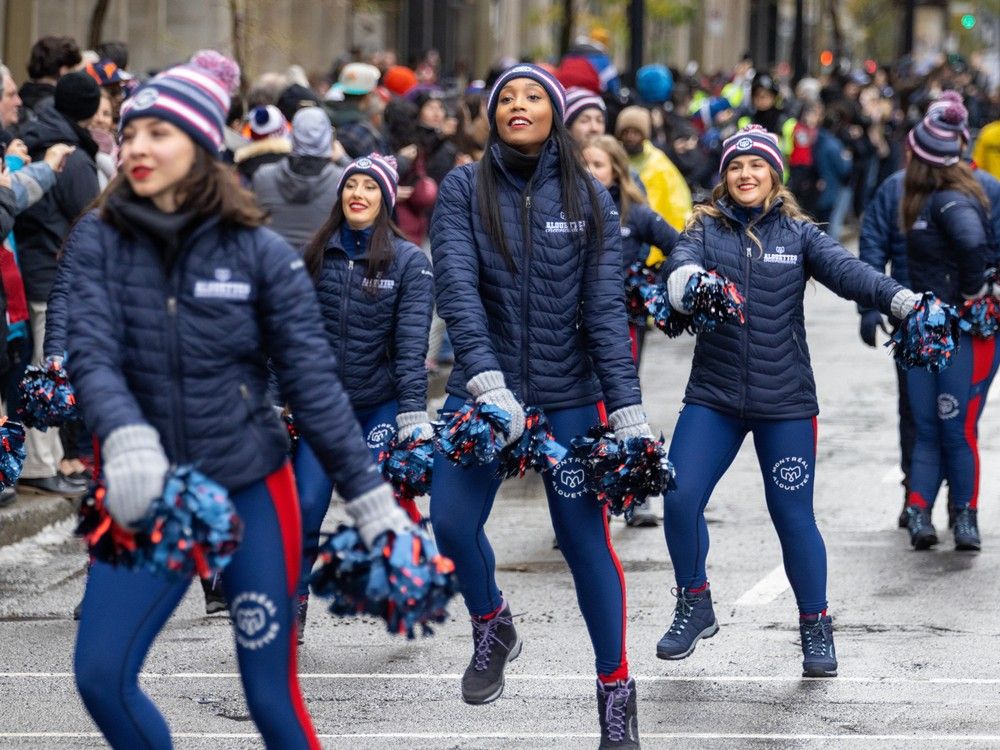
x,y
156,156
361,200
103,119
599,163
749,180
524,115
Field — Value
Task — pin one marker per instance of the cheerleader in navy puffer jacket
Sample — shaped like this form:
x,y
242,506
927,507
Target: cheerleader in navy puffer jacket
x,y
376,293
756,378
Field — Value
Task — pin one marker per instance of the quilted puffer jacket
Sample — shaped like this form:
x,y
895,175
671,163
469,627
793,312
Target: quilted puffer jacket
x,y
378,329
642,228
761,370
882,241
947,249
555,324
185,351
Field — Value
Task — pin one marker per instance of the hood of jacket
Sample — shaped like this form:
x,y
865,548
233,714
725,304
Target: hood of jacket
x,y
303,188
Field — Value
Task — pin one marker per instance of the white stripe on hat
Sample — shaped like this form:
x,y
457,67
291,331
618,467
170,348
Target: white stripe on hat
x,y
774,154
944,161
165,101
191,75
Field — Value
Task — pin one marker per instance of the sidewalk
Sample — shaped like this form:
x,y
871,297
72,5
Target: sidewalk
x,y
29,514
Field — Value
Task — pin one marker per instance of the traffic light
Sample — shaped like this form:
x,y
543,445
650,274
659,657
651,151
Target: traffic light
x,y
968,21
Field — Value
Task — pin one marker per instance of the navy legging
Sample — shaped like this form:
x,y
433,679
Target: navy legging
x,y
946,407
704,444
124,610
378,424
461,501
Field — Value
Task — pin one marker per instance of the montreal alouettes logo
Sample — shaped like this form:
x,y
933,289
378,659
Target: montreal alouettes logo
x,y
363,163
791,473
570,477
744,143
144,99
256,620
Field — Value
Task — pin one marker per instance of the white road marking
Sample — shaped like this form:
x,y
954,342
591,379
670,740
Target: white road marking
x,y
952,738
543,677
766,590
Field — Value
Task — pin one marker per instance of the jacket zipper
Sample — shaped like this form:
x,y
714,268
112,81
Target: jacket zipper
x,y
745,339
173,353
526,260
345,298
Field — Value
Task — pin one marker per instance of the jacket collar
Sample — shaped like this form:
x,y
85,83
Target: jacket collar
x,y
548,164
727,209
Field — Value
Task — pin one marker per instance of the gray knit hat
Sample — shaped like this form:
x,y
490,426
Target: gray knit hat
x,y
312,134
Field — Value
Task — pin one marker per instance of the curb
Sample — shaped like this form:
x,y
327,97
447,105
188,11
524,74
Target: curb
x,y
29,514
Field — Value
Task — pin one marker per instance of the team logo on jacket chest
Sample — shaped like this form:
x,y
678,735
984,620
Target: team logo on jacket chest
x,y
222,287
379,283
565,227
780,256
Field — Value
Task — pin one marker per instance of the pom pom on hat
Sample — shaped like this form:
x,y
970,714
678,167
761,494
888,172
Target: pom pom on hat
x,y
224,70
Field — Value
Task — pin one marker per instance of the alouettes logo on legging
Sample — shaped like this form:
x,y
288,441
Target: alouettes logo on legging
x,y
256,619
570,478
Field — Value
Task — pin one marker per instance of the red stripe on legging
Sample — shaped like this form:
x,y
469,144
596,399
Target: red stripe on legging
x,y
281,487
815,437
634,335
621,673
983,351
971,438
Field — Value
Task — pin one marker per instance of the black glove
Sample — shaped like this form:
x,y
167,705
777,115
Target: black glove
x,y
870,320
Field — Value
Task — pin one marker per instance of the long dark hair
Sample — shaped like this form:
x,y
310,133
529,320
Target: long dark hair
x,y
922,179
380,246
573,174
210,188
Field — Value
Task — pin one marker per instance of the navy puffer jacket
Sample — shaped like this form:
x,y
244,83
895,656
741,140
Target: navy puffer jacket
x,y
378,331
555,325
882,240
761,370
947,249
643,227
185,352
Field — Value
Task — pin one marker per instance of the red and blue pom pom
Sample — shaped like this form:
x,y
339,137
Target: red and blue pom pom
x,y
624,473
293,431
639,279
47,397
12,452
664,316
408,468
474,434
713,301
404,580
981,316
191,528
536,449
928,336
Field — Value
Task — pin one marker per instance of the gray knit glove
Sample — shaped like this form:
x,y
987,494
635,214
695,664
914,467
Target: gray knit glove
x,y
489,388
630,422
413,424
135,468
903,303
376,512
677,283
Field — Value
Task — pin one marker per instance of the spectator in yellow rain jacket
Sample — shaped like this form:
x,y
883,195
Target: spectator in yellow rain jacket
x,y
986,152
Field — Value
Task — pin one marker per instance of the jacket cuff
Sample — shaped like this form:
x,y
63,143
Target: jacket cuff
x,y
489,380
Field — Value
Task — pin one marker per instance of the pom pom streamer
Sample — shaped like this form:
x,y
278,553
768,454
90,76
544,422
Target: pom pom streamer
x,y
664,317
474,434
981,316
639,280
12,452
624,473
712,300
47,397
293,431
536,449
404,580
928,336
191,528
408,468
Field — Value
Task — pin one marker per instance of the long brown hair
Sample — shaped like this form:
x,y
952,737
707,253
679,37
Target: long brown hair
x,y
210,188
380,247
789,206
630,192
922,179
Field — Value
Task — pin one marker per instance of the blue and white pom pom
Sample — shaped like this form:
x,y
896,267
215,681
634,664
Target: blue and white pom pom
x,y
713,301
928,336
664,316
623,473
474,434
536,449
404,579
981,316
639,280
191,528
47,397
408,467
12,452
